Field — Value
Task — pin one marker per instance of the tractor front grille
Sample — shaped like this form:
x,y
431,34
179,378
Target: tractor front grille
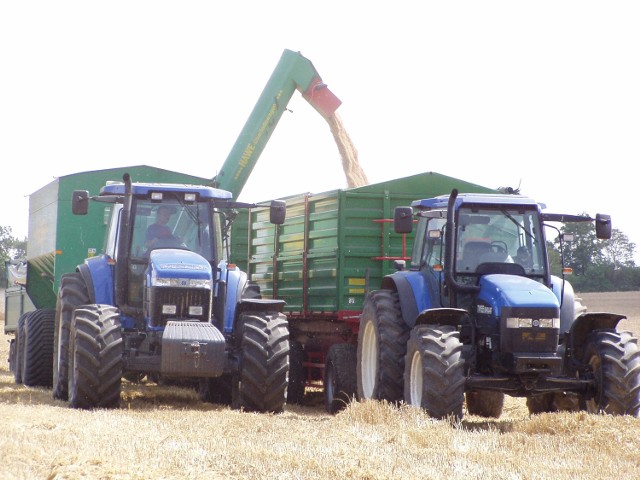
x,y
163,301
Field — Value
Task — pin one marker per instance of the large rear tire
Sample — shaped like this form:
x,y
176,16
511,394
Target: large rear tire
x,y
340,378
95,357
71,294
614,358
261,383
382,344
38,348
434,371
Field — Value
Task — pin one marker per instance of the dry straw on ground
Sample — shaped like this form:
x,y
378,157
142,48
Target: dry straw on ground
x,y
165,432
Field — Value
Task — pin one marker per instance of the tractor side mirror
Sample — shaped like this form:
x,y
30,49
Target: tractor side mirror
x,y
403,219
603,226
80,202
277,212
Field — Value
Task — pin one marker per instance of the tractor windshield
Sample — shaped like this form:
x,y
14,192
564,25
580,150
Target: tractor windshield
x,y
175,225
499,236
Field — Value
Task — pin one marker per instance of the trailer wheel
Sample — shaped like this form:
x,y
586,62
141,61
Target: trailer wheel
x,y
19,349
485,403
382,344
71,294
261,382
614,358
38,348
297,378
340,379
215,389
95,357
434,371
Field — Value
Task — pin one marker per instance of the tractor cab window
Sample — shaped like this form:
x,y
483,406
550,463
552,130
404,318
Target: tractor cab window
x,y
173,225
493,236
429,243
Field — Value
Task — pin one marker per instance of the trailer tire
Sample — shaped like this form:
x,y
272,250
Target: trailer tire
x,y
434,371
382,345
340,378
71,294
297,378
261,382
37,368
19,349
614,358
485,403
95,357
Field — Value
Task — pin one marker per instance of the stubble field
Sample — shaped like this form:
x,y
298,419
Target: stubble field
x,y
166,432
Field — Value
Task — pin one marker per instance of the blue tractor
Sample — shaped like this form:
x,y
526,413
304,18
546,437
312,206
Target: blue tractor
x,y
477,315
162,303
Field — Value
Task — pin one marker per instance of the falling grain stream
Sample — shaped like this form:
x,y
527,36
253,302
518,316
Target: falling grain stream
x,y
353,171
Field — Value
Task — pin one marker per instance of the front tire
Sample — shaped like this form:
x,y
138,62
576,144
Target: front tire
x,y
434,371
95,357
552,402
340,378
485,403
261,383
382,344
614,358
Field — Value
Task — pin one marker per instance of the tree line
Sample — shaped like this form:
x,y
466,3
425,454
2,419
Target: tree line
x,y
597,265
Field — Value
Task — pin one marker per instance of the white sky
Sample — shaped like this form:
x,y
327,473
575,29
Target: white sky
x,y
543,95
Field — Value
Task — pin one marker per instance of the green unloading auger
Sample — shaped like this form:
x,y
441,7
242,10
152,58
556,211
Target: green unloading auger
x,y
293,72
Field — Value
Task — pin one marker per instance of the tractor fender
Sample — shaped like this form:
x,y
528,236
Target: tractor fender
x,y
415,293
442,316
97,273
587,323
236,281
400,284
563,291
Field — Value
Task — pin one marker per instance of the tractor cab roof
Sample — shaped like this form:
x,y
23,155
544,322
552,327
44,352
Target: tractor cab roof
x,y
146,189
480,199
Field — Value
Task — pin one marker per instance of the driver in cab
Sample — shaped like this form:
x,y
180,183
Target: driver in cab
x,y
159,233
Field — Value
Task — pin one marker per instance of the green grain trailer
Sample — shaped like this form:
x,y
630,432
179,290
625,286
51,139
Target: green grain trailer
x,y
58,241
332,249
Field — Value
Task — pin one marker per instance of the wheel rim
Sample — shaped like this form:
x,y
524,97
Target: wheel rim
x,y
369,364
415,380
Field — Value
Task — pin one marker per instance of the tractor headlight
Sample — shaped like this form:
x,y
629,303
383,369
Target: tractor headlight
x,y
169,309
200,283
515,322
549,323
195,311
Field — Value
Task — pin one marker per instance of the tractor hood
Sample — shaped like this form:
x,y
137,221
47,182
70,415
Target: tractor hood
x,y
499,290
179,268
